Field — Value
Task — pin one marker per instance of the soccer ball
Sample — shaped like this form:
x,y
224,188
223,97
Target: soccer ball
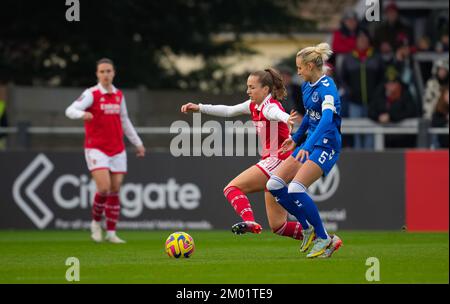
x,y
180,245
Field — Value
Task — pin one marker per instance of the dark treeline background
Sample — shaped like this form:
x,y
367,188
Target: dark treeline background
x,y
38,46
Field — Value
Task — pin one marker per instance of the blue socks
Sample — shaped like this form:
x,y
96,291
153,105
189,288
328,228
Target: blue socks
x,y
298,203
279,190
297,193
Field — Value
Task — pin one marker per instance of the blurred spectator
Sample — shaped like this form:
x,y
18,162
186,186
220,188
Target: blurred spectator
x,y
437,29
440,116
387,53
3,118
392,31
362,71
442,44
294,99
439,79
404,64
392,103
344,39
424,44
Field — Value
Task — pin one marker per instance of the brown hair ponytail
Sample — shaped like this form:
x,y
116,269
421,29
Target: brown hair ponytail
x,y
272,79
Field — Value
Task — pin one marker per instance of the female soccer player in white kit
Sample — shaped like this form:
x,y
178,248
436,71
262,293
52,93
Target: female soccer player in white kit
x,y
105,116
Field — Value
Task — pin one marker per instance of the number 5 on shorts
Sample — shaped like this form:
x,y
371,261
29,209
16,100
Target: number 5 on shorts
x,y
323,157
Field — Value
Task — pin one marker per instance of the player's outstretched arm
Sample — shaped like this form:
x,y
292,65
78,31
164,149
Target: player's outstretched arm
x,y
274,113
302,129
190,108
77,110
325,122
218,110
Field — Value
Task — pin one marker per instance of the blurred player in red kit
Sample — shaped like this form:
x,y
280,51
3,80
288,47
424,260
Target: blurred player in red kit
x,y
105,116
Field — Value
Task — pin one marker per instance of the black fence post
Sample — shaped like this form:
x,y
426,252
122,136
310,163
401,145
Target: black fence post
x,y
423,136
23,134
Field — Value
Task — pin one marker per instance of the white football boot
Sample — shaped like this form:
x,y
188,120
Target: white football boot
x,y
336,243
113,238
96,232
319,247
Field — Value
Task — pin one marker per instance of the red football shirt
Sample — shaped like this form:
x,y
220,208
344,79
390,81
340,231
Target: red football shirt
x,y
272,134
105,132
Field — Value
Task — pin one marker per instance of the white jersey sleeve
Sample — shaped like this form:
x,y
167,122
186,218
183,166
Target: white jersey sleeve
x,y
273,112
127,126
77,109
226,111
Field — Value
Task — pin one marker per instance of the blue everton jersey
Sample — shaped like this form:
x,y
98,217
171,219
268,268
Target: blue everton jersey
x,y
321,95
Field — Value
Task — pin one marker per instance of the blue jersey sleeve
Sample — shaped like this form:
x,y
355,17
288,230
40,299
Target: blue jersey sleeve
x,y
324,124
326,121
328,88
302,129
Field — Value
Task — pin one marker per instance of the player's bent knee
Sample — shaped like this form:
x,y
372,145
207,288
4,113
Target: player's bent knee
x,y
103,188
275,183
296,187
229,188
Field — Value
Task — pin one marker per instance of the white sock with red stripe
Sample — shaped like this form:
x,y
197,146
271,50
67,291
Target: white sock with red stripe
x,y
240,203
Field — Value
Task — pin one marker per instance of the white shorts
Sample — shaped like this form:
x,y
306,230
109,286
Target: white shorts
x,y
97,160
269,165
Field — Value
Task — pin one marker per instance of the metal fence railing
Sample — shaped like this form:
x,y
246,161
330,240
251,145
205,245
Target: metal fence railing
x,y
419,127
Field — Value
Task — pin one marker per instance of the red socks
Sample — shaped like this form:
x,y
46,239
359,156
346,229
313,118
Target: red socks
x,y
99,206
112,211
290,229
240,203
109,203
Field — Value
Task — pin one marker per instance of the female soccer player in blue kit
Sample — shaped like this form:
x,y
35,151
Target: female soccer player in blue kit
x,y
316,156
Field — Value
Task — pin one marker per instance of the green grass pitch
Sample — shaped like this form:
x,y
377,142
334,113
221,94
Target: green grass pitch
x,y
221,257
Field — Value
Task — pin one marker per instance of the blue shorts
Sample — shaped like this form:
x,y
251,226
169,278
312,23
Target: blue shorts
x,y
324,157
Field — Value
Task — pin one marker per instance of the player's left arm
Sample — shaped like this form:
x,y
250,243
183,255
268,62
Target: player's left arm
x,y
326,120
130,131
274,113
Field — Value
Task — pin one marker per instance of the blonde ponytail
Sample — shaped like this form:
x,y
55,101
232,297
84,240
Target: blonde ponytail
x,y
324,50
317,55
